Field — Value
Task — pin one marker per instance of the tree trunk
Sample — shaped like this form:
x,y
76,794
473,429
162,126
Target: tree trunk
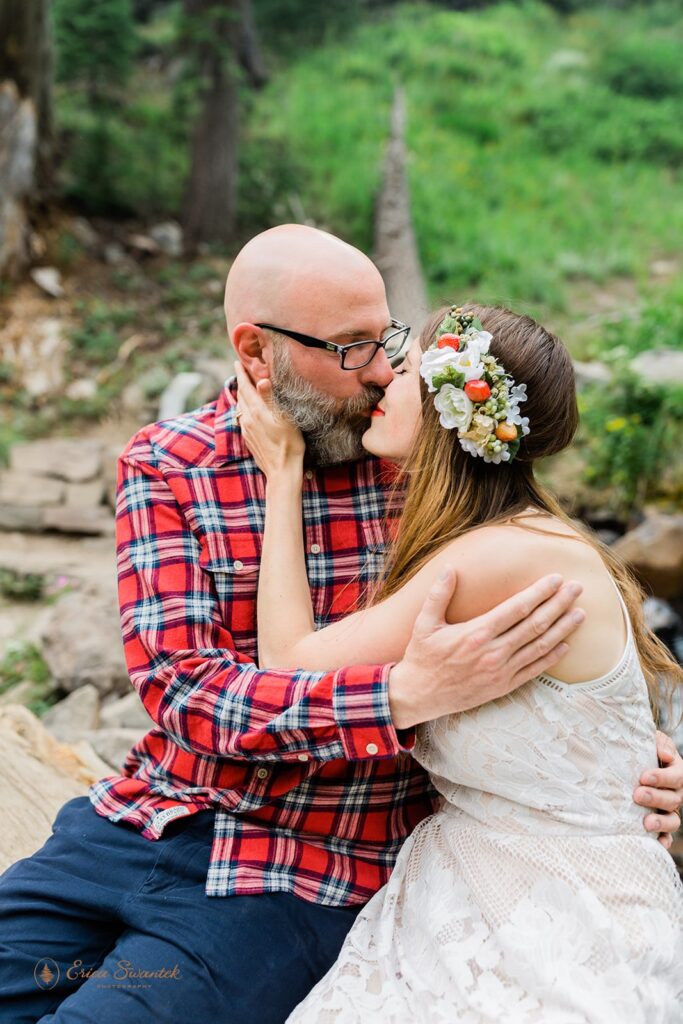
x,y
396,252
224,48
26,58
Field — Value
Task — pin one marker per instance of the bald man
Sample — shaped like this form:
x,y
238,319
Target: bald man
x,y
216,876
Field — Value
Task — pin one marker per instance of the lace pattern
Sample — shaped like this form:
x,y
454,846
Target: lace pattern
x,y
533,896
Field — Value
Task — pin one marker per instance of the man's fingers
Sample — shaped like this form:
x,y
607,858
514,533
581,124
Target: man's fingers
x,y
659,799
550,640
664,778
542,618
539,666
662,822
518,608
433,612
666,749
667,840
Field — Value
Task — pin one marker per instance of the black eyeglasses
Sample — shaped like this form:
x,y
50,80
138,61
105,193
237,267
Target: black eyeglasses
x,y
357,353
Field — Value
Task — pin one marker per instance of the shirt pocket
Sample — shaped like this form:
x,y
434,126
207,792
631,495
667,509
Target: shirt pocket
x,y
232,564
376,547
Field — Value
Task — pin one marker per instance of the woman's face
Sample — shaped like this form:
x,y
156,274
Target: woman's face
x,y
397,417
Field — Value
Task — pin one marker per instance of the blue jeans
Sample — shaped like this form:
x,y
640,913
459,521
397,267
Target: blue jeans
x,y
103,926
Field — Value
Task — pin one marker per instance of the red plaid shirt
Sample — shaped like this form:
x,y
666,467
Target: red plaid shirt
x,y
314,791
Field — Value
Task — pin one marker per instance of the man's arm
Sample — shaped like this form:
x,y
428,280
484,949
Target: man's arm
x,y
211,700
181,658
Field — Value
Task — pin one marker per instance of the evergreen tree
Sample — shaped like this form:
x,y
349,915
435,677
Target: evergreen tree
x,y
219,39
96,45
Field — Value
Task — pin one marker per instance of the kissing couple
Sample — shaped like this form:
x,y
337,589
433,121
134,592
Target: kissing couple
x,y
365,797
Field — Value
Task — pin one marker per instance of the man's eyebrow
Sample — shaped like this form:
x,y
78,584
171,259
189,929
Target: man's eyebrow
x,y
357,333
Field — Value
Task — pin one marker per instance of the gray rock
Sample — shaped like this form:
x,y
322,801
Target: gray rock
x,y
657,366
126,713
82,389
20,693
64,458
654,550
169,237
112,745
143,244
111,458
81,642
114,254
74,717
85,496
49,279
176,397
39,357
659,614
84,233
591,373
27,489
92,522
26,518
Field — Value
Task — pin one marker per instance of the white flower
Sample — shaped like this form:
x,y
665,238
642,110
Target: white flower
x,y
435,361
455,408
477,449
518,394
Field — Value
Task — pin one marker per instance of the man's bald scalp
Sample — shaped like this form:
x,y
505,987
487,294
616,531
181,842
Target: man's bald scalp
x,y
293,267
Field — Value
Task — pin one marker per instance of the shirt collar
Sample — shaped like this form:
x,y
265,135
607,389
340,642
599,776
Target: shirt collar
x,y
228,441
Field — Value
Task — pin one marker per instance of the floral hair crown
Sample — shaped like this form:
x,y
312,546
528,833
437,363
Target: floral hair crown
x,y
474,393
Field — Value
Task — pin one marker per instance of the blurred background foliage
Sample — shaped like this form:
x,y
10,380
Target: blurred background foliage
x,y
545,145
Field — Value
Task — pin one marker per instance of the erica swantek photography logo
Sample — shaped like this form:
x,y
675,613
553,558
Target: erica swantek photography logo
x,y
123,974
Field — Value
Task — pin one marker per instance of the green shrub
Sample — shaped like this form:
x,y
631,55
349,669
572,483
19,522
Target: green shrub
x,y
648,67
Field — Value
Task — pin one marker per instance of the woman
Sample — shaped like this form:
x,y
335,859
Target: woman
x,y
532,896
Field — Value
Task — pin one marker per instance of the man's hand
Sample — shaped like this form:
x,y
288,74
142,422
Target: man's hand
x,y
662,790
451,668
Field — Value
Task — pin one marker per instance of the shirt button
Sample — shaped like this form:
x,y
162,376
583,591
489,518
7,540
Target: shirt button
x,y
262,773
315,549
372,748
239,565
309,474
302,757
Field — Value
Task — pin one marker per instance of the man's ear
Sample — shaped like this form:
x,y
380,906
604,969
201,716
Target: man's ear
x,y
252,346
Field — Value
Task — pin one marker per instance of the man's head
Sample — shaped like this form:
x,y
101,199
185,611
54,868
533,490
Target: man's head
x,y
305,280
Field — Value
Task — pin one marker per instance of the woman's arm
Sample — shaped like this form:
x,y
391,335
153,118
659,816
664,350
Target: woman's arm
x,y
379,634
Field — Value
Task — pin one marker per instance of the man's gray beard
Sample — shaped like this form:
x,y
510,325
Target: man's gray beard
x,y
332,427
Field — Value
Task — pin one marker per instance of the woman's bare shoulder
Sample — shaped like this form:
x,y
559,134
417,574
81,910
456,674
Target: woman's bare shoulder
x,y
494,562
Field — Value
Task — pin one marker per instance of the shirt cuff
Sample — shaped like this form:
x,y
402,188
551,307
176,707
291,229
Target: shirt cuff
x,y
360,699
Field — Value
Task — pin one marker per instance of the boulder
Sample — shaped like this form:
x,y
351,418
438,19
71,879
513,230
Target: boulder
x,y
112,745
85,496
39,356
169,237
658,365
81,642
18,488
38,776
654,550
74,717
71,519
126,713
591,373
49,279
65,458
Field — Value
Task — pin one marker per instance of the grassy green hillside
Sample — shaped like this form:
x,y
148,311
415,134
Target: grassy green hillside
x,y
545,152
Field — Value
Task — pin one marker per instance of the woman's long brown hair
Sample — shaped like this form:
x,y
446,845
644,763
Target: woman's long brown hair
x,y
449,492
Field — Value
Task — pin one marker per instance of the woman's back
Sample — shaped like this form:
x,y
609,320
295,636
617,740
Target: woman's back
x,y
495,562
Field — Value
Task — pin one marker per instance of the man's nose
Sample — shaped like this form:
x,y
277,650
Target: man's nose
x,y
379,371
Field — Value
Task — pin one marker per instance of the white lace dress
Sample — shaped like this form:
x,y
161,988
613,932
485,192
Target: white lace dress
x,y
533,896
